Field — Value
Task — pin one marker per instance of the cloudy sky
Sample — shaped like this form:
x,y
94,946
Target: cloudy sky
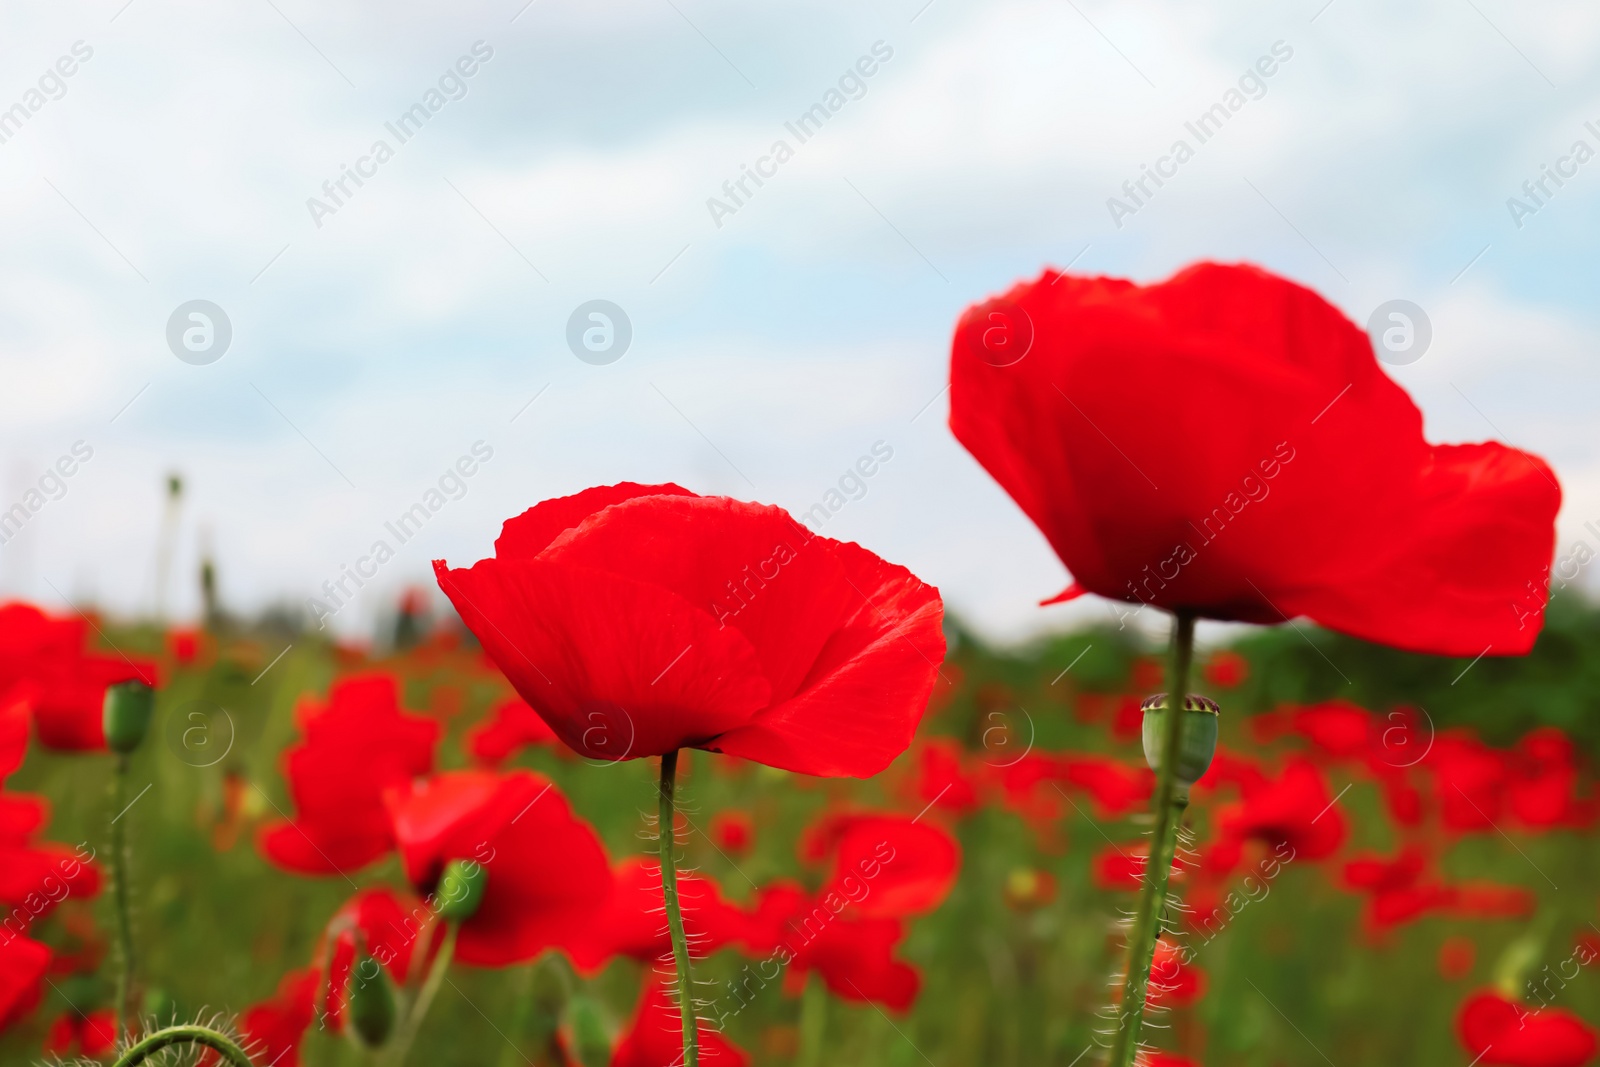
x,y
378,337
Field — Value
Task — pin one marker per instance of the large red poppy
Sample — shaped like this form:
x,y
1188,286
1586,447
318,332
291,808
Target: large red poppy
x,y
638,620
357,745
274,1028
1295,809
23,964
1225,442
1503,1033
547,871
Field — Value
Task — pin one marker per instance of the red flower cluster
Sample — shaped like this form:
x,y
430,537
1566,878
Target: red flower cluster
x,y
44,667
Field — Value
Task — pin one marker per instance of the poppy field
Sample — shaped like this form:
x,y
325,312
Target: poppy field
x,y
671,778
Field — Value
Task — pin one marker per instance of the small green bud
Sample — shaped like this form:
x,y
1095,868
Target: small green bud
x,y
126,715
461,889
1197,742
372,1003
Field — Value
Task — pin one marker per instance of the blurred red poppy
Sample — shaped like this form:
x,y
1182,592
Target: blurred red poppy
x,y
35,876
1117,787
853,956
1119,868
1542,783
1456,957
638,620
275,1027
942,782
511,725
732,831
23,964
886,866
357,745
93,1034
44,666
1184,444
1296,809
633,921
1226,669
1174,982
1503,1033
380,924
655,1037
1469,781
547,871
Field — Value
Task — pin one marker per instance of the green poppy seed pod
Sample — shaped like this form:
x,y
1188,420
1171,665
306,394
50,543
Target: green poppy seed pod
x,y
461,889
1197,742
372,1004
126,715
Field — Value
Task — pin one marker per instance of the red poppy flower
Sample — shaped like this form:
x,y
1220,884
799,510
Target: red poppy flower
x,y
93,1034
885,866
547,871
1542,782
1117,787
1123,868
1226,669
44,665
380,924
1469,781
1197,443
732,831
511,725
633,921
1398,890
1173,981
655,1038
638,620
357,746
23,965
274,1028
941,781
853,956
1295,809
1503,1033
35,876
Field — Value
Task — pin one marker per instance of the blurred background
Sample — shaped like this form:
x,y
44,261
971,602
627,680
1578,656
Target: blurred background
x,y
367,316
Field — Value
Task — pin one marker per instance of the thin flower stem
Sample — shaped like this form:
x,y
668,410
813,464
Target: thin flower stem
x,y
1170,803
183,1035
669,890
813,1022
119,887
425,996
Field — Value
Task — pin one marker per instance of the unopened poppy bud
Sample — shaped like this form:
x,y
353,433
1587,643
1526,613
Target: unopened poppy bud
x,y
461,889
1197,741
372,1004
126,715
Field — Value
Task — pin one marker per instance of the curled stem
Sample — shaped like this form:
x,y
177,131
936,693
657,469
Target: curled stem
x,y
119,887
1170,803
188,1034
669,890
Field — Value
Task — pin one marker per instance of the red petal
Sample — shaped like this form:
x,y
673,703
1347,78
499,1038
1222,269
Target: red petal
x,y
531,532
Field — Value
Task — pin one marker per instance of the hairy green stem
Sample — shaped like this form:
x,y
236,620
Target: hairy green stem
x,y
1170,803
183,1035
669,890
425,996
119,888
